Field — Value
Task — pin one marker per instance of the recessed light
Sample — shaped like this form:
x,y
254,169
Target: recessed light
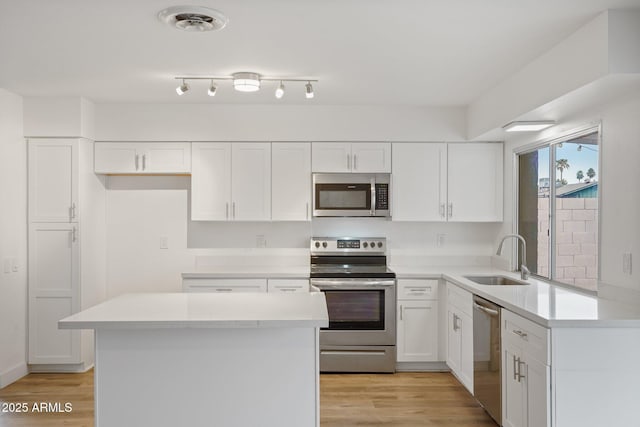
x,y
530,126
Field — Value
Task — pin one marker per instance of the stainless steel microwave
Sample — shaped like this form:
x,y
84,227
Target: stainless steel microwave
x,y
351,194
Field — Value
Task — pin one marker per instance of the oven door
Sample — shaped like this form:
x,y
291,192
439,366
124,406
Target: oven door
x,y
361,311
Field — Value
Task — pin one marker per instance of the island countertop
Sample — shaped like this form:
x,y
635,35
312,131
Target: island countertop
x,y
204,310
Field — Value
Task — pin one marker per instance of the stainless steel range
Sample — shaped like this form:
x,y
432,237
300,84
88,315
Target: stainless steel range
x,y
361,300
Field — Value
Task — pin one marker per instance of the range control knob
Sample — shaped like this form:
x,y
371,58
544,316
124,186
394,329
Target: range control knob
x,y
372,244
317,245
365,245
324,244
379,244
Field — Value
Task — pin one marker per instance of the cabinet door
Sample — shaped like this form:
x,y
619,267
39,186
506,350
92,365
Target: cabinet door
x,y
53,292
513,391
537,378
466,351
417,331
290,181
116,158
475,182
53,180
371,157
251,181
419,182
211,181
165,157
454,340
331,157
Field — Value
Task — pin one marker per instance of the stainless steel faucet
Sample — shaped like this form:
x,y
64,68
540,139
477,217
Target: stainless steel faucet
x,y
524,271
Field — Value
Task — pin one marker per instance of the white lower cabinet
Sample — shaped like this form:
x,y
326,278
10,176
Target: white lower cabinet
x,y
417,320
526,373
287,285
460,334
224,285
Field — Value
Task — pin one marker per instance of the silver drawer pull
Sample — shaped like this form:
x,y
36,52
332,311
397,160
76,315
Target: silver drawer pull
x,y
288,289
224,290
521,334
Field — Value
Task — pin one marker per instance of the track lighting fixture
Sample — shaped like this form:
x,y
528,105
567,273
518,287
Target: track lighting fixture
x,y
308,90
212,89
180,90
245,82
280,90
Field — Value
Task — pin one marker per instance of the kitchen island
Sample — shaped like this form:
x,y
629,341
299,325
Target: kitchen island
x,y
206,359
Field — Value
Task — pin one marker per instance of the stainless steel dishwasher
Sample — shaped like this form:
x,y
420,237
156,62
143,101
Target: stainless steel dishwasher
x,y
487,352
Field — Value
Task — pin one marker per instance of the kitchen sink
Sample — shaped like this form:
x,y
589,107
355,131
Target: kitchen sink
x,y
495,280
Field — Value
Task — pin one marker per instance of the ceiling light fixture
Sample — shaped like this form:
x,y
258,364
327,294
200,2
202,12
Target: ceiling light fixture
x,y
193,18
212,89
531,126
308,90
280,91
246,82
180,90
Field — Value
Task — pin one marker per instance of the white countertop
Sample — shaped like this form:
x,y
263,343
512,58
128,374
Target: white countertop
x,y
248,272
540,302
204,310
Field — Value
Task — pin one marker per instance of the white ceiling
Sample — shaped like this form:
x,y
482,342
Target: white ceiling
x,y
364,52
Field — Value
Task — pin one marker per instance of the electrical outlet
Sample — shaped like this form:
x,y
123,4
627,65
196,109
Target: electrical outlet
x,y
627,263
440,239
164,242
14,265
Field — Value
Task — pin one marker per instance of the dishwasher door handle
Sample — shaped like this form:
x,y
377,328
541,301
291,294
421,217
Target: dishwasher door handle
x,y
491,312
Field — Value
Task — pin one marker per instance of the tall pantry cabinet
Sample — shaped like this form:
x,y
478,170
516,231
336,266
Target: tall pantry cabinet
x,y
66,214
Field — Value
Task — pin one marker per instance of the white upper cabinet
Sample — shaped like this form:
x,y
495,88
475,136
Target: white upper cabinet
x,y
419,182
369,157
53,180
475,173
455,182
231,181
211,181
142,157
251,181
290,181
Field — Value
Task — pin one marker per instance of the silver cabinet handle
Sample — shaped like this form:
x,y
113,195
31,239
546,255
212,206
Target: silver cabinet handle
x,y
450,210
521,334
73,210
442,210
137,159
233,210
348,161
307,211
144,162
74,234
455,322
401,309
355,162
515,369
224,290
520,363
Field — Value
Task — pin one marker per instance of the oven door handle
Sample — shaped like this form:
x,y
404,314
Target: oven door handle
x,y
341,284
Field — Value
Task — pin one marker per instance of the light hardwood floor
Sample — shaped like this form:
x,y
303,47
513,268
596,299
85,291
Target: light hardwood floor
x,y
400,400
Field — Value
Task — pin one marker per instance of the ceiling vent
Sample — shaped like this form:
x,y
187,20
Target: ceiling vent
x,y
193,18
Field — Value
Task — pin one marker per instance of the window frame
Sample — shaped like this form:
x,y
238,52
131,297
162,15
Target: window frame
x,y
565,136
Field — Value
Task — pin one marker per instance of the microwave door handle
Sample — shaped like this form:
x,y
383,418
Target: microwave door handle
x,y
373,197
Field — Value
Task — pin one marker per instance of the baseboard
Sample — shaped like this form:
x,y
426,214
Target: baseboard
x,y
63,368
13,374
422,367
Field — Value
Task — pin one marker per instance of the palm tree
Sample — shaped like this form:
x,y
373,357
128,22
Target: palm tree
x,y
580,175
591,173
561,165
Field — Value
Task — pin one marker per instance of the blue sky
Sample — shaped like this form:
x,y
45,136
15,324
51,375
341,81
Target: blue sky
x,y
578,160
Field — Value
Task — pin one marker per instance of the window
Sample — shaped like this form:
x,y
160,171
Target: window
x,y
558,209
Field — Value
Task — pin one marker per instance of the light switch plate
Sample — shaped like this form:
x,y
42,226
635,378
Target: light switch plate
x,y
164,242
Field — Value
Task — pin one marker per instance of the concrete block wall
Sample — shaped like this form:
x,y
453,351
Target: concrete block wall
x,y
576,241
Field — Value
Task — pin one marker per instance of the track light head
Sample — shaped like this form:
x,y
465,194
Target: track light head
x,y
180,90
212,89
280,90
308,90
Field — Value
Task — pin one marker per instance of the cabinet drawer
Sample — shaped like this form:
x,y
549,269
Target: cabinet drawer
x,y
418,289
288,285
531,337
224,285
460,298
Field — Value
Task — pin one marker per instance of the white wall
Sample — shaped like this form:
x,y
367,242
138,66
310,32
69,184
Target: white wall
x,y
210,122
59,117
13,239
620,197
